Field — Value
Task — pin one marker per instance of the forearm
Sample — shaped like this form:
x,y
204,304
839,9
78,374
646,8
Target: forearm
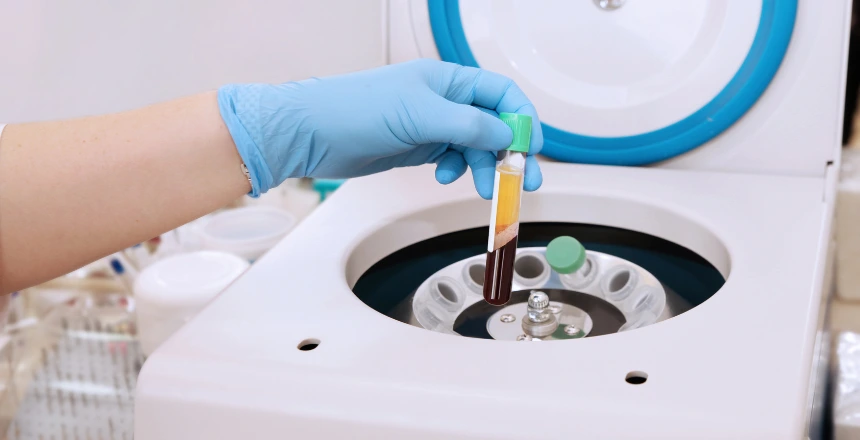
x,y
74,191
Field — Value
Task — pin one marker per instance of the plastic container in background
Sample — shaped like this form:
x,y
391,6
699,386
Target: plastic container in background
x,y
185,238
5,308
171,291
247,232
40,301
274,197
124,271
846,225
846,390
298,196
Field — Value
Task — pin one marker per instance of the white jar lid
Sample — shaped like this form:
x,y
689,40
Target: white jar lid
x,y
248,232
182,284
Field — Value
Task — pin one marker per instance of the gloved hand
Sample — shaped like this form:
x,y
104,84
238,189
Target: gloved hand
x,y
366,122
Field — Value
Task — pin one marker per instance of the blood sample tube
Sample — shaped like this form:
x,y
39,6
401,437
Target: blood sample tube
x,y
505,216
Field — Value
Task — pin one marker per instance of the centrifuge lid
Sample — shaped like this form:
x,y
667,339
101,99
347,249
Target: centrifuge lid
x,y
752,86
634,85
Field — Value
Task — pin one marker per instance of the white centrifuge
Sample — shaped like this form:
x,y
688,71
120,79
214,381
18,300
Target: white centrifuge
x,y
712,134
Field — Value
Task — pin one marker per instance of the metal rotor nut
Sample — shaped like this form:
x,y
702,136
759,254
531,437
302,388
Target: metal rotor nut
x,y
538,300
540,329
538,307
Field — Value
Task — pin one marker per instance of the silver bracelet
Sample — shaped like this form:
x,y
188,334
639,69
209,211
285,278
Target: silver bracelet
x,y
247,173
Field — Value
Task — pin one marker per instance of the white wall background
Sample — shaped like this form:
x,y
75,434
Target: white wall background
x,y
71,58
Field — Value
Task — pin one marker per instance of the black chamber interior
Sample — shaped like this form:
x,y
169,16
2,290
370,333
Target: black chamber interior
x,y
392,279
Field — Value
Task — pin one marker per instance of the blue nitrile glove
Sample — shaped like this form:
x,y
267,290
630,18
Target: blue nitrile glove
x,y
408,114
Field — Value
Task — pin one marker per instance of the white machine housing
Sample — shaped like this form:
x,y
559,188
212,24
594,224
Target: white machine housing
x,y
756,202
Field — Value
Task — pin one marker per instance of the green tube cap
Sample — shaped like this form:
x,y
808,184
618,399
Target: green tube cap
x,y
565,254
521,125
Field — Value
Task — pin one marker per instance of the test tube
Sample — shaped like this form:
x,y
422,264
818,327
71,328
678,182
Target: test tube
x,y
505,215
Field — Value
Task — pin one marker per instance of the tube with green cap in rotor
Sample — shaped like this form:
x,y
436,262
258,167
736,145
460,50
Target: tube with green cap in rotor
x,y
505,214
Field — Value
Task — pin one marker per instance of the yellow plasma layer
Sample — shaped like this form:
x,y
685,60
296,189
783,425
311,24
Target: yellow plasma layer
x,y
508,202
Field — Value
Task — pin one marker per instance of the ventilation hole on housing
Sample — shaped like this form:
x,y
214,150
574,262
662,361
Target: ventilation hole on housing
x,y
309,344
636,377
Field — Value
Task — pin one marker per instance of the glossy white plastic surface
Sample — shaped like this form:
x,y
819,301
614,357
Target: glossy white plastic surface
x,y
235,370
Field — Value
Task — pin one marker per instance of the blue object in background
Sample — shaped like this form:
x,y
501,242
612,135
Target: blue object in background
x,y
117,266
327,186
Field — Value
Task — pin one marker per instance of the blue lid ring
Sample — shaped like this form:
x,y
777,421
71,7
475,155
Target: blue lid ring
x,y
761,63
